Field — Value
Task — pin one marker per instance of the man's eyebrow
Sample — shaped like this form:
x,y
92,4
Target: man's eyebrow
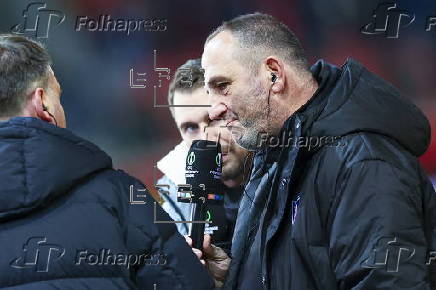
x,y
186,123
213,80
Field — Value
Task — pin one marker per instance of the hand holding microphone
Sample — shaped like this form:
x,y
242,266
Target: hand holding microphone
x,y
214,258
203,178
203,174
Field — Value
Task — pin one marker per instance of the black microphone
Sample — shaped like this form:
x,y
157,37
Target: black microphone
x,y
203,175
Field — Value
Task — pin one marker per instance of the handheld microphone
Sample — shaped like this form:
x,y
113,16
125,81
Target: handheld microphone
x,y
203,177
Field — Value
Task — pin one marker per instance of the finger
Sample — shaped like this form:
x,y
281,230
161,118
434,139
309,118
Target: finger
x,y
203,262
188,240
197,252
207,246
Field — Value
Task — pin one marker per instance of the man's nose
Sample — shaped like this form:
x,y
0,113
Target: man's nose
x,y
217,111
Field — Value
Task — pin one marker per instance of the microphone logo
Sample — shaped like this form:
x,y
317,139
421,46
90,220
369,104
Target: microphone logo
x,y
191,158
218,159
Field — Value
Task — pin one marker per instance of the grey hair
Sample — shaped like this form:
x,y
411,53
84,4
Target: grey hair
x,y
23,63
260,35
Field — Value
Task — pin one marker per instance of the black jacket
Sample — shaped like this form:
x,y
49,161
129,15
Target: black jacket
x,y
354,212
66,221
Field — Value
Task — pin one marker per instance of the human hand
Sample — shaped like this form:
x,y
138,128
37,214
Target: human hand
x,y
214,258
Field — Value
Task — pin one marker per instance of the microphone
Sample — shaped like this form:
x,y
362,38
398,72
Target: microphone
x,y
203,178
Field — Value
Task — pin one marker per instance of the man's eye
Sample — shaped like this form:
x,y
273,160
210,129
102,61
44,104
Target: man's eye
x,y
190,129
222,86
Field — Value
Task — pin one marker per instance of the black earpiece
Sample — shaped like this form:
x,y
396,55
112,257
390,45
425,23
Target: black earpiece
x,y
273,77
45,108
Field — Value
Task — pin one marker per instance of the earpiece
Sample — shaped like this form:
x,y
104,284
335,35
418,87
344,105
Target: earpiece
x,y
273,77
45,108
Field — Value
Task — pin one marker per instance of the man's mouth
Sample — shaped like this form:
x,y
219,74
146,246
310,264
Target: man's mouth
x,y
231,122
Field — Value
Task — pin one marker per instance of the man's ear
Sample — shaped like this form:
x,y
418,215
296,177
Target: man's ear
x,y
275,71
39,108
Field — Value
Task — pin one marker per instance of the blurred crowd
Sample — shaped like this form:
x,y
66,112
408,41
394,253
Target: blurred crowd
x,y
93,67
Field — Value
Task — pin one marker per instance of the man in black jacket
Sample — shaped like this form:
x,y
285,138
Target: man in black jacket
x,y
336,198
68,220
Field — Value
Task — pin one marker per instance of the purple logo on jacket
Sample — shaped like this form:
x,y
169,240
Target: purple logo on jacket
x,y
295,204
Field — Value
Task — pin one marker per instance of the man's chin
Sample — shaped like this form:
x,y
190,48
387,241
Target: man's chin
x,y
229,172
239,140
248,141
237,133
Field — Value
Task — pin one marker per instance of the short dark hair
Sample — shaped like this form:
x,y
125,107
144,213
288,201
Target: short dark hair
x,y
22,63
263,34
187,78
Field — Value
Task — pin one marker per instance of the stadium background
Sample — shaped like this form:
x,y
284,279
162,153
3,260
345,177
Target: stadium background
x,y
93,67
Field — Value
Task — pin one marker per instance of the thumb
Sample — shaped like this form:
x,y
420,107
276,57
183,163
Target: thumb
x,y
213,252
207,245
188,240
